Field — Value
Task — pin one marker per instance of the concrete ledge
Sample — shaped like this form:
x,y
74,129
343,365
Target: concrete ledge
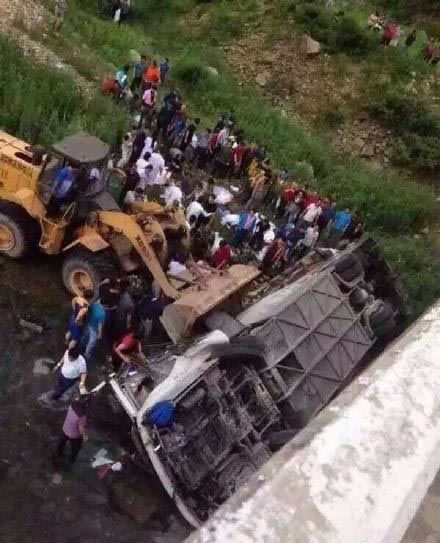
x,y
359,471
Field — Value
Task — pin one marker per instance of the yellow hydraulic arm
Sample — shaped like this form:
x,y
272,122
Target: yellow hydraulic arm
x,y
128,226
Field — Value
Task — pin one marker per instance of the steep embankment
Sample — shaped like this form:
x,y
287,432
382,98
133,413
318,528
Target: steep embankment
x,y
195,36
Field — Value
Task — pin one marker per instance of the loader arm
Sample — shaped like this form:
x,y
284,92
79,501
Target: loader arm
x,y
127,225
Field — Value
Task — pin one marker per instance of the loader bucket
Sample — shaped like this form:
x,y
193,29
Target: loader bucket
x,y
179,317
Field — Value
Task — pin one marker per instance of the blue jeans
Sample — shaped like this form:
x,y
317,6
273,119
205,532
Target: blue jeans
x,y
92,340
62,384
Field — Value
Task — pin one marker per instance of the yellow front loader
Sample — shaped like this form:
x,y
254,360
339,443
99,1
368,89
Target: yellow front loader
x,y
96,239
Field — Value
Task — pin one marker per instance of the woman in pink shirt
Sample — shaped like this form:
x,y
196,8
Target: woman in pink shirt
x,y
74,428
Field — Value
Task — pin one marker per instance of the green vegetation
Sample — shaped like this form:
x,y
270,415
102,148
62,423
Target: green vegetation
x,y
393,207
38,102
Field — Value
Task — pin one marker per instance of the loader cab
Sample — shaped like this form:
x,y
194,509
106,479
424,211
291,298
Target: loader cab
x,y
88,157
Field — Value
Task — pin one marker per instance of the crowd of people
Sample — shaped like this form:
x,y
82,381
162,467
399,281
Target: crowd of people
x,y
391,32
235,203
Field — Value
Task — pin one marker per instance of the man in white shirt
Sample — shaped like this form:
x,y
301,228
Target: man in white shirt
x,y
195,209
73,367
172,194
311,214
158,163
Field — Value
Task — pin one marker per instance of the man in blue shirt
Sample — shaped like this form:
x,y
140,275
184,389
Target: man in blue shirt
x,y
138,73
62,185
164,68
339,223
94,326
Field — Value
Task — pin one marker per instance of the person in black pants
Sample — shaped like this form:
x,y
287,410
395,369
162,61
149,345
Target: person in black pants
x,y
73,431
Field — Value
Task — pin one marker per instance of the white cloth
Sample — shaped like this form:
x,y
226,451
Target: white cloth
x,y
172,195
195,209
141,164
222,195
163,177
158,163
148,146
310,237
175,267
72,369
312,213
230,219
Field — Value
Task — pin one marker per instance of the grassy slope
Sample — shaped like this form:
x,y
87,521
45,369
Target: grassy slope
x,y
393,207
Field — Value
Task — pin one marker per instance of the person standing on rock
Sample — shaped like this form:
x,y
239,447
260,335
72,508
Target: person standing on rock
x,y
60,9
73,431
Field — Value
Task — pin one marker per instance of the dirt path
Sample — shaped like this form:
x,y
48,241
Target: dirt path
x,y
16,16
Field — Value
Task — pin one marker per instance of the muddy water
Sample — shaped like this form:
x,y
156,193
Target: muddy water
x,y
39,500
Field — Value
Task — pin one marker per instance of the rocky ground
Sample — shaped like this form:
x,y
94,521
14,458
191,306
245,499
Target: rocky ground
x,y
39,500
305,88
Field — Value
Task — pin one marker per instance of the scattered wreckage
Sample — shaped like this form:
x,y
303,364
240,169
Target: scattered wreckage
x,y
208,414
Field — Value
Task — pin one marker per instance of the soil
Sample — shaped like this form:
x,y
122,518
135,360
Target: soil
x,y
41,500
305,88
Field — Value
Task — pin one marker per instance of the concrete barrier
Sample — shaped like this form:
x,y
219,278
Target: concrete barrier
x,y
359,471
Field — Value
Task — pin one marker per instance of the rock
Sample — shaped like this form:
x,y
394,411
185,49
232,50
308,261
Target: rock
x,y
43,366
416,236
95,499
310,46
358,142
261,80
368,151
283,113
57,479
425,230
212,71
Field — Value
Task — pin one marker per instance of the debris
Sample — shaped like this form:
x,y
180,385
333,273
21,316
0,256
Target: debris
x,y
56,478
101,461
43,366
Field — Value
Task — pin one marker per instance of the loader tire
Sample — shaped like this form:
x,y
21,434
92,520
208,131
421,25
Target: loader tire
x,y
84,270
19,232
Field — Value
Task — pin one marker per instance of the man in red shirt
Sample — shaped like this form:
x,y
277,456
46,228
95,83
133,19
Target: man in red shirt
x,y
222,256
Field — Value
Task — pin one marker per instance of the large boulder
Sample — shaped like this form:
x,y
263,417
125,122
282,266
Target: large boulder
x,y
310,46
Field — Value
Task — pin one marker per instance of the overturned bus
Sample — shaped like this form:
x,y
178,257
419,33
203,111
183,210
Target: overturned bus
x,y
258,374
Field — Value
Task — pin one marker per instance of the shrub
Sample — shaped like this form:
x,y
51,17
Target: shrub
x,y
334,116
190,72
352,39
418,128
